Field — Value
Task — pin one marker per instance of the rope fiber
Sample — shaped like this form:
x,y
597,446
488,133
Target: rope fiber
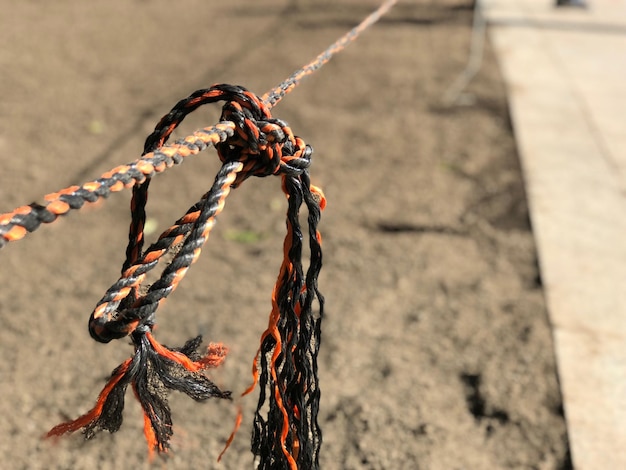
x,y
249,142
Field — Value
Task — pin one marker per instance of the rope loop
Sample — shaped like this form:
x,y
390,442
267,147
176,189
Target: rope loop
x,y
260,145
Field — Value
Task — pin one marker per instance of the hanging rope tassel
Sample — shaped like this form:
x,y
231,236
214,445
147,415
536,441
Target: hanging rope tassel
x,y
291,437
152,372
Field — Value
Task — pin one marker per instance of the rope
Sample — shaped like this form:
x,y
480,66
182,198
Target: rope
x,y
249,142
475,60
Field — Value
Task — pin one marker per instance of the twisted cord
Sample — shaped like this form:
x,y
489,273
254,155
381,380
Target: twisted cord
x,y
272,97
16,224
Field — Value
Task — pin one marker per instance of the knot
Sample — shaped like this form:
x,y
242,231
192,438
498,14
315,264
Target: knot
x,y
259,145
265,145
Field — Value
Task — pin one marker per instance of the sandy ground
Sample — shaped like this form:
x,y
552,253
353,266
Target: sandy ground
x,y
436,353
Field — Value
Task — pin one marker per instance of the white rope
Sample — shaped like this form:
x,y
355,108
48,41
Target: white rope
x,y
474,63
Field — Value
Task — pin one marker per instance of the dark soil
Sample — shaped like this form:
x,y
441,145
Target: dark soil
x,y
436,351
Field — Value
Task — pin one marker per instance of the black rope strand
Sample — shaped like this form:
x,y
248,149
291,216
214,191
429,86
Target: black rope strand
x,y
294,395
306,351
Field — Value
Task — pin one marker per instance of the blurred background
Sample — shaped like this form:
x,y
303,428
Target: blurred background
x,y
437,350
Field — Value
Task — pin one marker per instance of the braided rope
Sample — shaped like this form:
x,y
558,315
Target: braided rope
x,y
16,224
272,97
249,142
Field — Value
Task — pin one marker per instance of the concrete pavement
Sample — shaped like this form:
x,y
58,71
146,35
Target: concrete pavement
x,y
565,70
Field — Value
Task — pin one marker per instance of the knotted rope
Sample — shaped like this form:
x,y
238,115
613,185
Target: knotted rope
x,y
249,142
260,145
